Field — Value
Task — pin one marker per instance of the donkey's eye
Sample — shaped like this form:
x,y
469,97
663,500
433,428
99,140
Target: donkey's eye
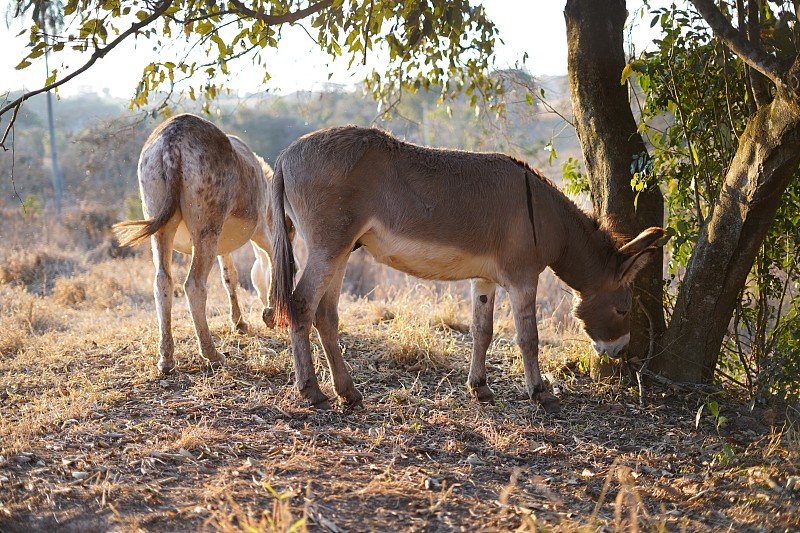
x,y
621,312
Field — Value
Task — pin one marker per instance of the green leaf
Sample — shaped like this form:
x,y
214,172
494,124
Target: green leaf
x,y
37,51
626,73
91,27
23,64
222,48
204,27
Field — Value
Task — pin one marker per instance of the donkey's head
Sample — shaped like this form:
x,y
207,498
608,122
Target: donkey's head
x,y
604,310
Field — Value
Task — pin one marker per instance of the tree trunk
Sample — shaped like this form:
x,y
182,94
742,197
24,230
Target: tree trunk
x,y
55,168
57,189
609,138
765,161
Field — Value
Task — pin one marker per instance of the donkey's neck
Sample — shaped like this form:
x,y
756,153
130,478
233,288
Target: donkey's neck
x,y
585,252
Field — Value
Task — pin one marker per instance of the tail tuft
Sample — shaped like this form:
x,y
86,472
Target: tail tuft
x,y
133,232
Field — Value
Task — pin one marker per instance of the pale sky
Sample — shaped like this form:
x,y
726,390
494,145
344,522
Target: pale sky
x,y
532,26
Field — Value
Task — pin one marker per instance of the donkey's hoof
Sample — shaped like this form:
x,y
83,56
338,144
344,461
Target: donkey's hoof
x,y
166,366
353,400
214,363
241,327
268,316
316,398
321,405
549,402
482,393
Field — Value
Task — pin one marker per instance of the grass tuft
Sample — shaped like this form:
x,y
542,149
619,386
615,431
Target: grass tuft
x,y
36,270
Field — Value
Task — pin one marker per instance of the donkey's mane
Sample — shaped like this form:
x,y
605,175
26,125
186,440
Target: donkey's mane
x,y
604,227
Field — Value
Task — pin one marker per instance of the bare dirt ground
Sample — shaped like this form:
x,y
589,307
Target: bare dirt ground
x,y
93,439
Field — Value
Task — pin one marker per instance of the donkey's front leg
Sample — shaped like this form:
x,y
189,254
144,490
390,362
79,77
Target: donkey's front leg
x,y
523,303
261,277
482,328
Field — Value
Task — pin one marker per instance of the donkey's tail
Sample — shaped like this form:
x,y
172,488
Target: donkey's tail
x,y
283,260
131,232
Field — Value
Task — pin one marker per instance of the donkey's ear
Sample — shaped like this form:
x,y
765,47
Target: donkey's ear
x,y
643,241
631,265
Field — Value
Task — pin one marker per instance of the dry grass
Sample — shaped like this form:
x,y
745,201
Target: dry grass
x,y
36,270
92,438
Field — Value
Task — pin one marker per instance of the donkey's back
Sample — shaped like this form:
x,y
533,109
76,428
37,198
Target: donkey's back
x,y
434,213
193,175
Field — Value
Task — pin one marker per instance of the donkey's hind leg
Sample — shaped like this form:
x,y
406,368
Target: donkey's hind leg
x,y
482,329
230,278
327,324
311,287
162,291
196,287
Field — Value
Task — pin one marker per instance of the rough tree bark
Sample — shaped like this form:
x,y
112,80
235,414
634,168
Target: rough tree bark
x,y
767,157
609,139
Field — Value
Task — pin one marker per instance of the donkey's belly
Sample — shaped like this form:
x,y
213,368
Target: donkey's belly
x,y
428,260
235,233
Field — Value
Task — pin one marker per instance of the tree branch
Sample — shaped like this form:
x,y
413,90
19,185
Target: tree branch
x,y
8,129
99,53
754,56
286,17
761,93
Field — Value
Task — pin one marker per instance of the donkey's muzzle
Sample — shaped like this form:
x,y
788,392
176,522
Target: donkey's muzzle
x,y
615,349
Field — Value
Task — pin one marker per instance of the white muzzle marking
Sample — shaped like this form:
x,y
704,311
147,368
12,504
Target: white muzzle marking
x,y
613,348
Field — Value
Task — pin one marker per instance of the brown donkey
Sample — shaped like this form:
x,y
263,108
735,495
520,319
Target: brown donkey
x,y
206,194
443,215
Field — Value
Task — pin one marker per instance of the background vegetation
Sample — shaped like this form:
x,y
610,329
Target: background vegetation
x,y
99,141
